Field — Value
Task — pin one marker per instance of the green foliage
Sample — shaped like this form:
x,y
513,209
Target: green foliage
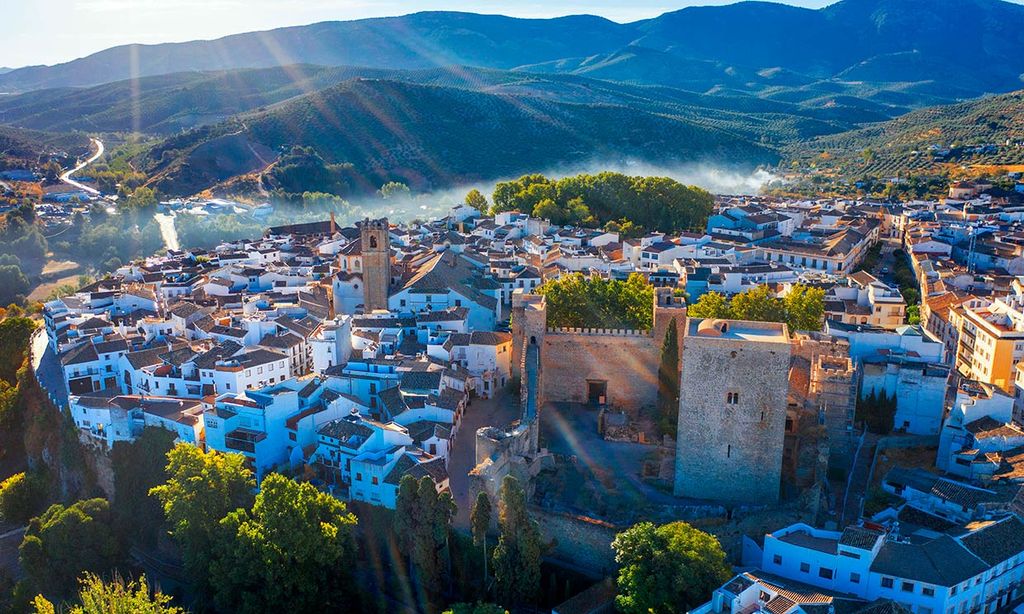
x,y
803,307
14,286
142,199
650,202
477,200
201,490
877,411
294,551
914,314
422,524
579,302
518,554
668,381
393,189
21,237
65,542
302,170
905,278
140,466
119,596
871,258
98,238
710,305
22,496
15,333
476,608
480,524
670,568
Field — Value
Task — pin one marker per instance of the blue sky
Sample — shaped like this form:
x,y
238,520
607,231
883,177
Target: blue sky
x,y
53,31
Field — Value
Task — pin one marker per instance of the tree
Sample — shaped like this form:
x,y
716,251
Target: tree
x,y
422,522
577,301
293,551
13,284
393,189
666,569
201,490
805,307
139,466
21,497
477,200
759,305
710,305
476,608
407,518
480,524
518,553
668,381
65,542
115,597
15,333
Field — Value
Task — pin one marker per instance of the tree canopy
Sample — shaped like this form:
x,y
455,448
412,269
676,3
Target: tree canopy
x,y
579,302
802,308
517,556
138,467
66,541
21,496
293,551
657,203
115,597
475,199
670,568
202,488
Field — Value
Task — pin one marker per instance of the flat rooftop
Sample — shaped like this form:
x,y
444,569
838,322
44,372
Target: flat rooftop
x,y
742,330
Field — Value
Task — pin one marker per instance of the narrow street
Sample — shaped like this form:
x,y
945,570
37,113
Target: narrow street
x,y
498,411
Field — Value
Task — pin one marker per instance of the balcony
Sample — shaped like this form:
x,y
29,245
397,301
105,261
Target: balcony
x,y
243,440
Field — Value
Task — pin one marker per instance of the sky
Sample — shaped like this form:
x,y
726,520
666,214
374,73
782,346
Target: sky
x,y
53,31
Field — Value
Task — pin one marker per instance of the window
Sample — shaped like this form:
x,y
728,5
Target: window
x,y
886,582
927,591
907,587
374,480
777,559
291,436
824,572
732,398
359,477
854,577
805,567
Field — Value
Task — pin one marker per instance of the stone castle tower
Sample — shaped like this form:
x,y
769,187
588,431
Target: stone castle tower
x,y
732,411
375,245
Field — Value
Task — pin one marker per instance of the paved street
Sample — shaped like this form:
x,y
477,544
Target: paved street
x,y
498,411
47,367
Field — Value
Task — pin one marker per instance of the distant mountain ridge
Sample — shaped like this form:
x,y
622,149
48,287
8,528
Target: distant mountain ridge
x,y
972,46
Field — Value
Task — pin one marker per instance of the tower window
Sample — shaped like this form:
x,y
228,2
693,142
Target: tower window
x,y
728,451
373,242
732,398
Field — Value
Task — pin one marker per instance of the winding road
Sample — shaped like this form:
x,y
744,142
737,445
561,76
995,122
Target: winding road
x,y
66,177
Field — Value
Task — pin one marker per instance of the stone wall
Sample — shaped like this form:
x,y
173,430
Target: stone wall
x,y
626,360
583,542
732,452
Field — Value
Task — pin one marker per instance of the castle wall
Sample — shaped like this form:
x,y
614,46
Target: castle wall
x,y
732,452
626,360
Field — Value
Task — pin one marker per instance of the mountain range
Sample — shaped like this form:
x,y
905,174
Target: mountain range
x,y
439,98
969,46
